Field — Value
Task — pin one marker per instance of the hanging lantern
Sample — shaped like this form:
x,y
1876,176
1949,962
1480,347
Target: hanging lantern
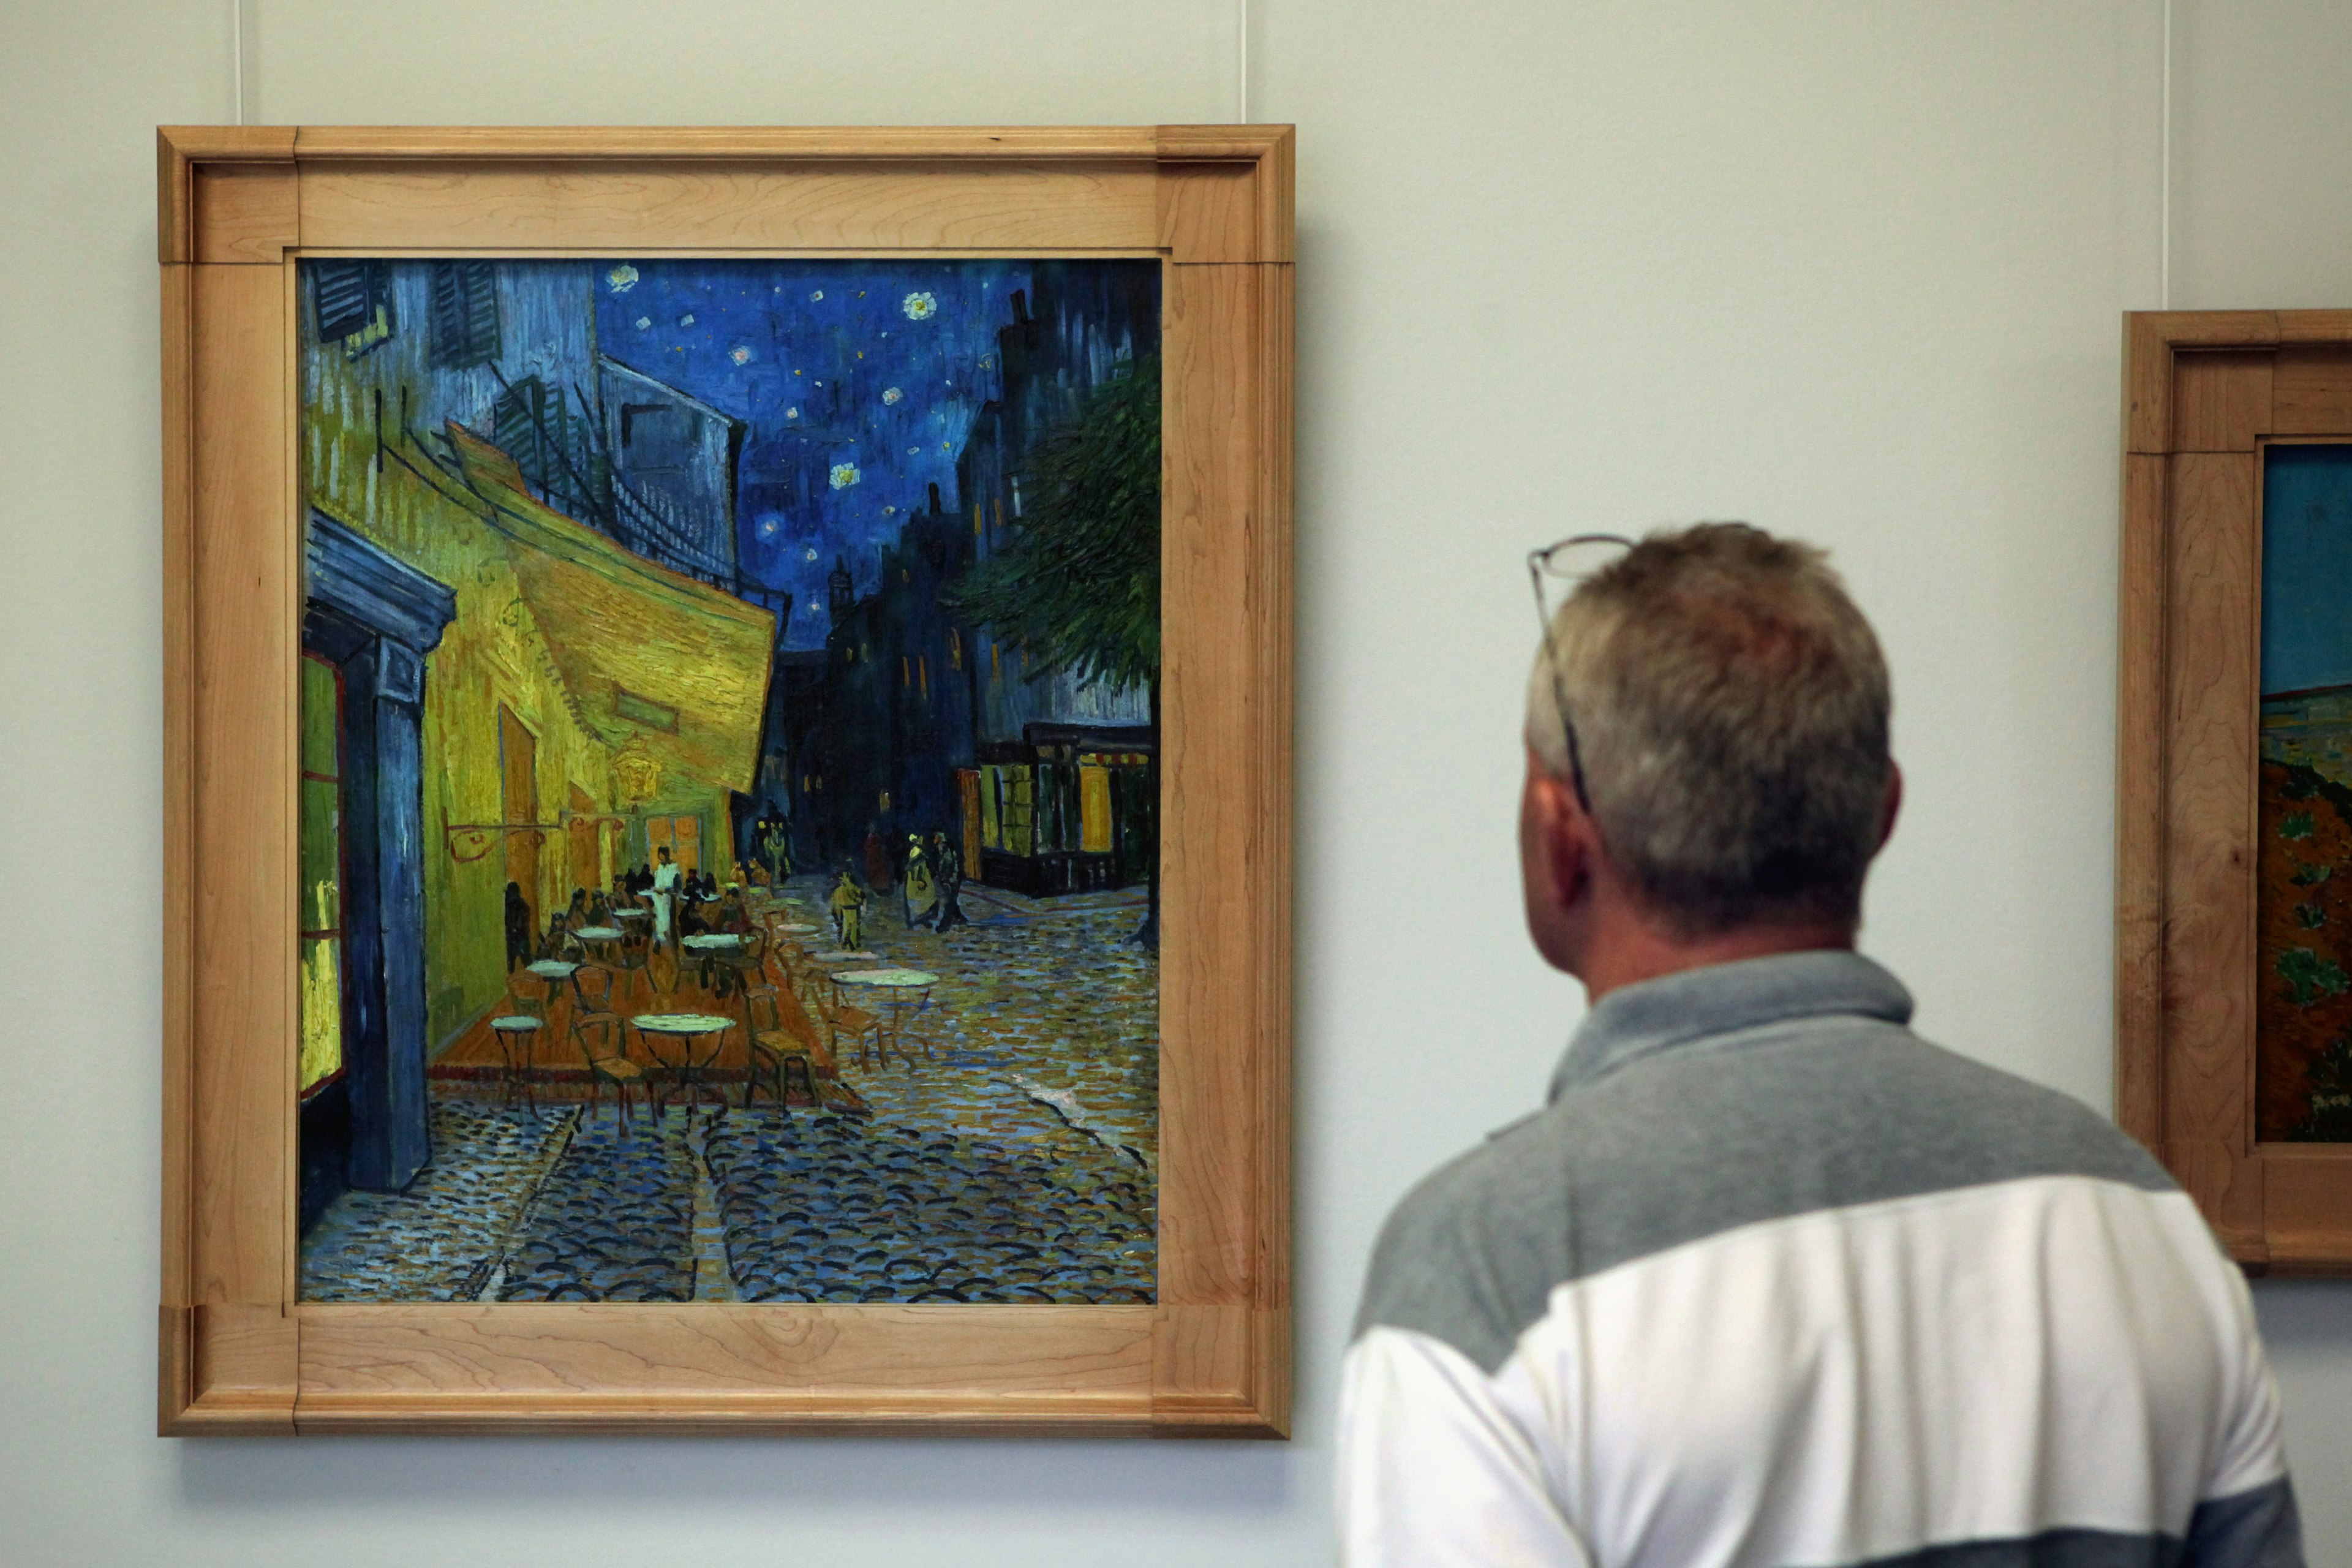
x,y
635,772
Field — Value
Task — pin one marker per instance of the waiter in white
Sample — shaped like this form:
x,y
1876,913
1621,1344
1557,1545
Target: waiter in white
x,y
665,876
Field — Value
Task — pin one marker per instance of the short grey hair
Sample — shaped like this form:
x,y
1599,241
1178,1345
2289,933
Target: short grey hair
x,y
1731,708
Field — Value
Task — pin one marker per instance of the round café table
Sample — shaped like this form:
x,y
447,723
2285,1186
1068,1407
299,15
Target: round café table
x,y
553,973
905,991
716,949
599,936
677,1032
517,1038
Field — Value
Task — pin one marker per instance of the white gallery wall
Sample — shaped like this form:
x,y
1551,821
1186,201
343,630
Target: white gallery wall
x,y
1849,270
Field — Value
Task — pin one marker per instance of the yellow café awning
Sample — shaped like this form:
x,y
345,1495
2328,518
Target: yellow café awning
x,y
646,653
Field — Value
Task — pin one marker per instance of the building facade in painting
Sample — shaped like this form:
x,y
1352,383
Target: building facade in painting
x,y
582,703
922,723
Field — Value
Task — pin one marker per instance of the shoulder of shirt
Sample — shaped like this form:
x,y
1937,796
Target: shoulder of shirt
x,y
1688,1143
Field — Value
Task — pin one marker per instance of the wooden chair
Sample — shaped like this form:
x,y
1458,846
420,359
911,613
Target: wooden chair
x,y
661,979
662,971
633,948
742,967
843,1017
518,1030
601,1043
593,984
781,1035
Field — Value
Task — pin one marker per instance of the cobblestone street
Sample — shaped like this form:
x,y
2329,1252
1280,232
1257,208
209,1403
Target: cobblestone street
x,y
1014,1159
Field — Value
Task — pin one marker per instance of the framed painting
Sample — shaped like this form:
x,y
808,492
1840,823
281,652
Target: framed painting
x,y
728,718
2233,936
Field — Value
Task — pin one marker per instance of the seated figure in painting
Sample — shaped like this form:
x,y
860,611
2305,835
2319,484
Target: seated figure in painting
x,y
1769,1278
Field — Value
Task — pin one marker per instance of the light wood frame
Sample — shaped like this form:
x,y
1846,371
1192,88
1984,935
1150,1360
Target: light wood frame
x,y
239,1352
2203,393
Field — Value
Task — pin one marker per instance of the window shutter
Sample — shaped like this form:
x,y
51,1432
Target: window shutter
x,y
465,314
516,428
347,293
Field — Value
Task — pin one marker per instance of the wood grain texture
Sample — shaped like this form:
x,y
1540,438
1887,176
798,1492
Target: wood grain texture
x,y
180,150
246,574
652,207
2306,1221
2312,391
179,543
2140,711
236,1354
247,212
2221,399
424,1366
2195,386
591,145
2315,326
1226,877
1210,693
1220,1372
1219,211
225,1370
2148,384
2150,339
2209,873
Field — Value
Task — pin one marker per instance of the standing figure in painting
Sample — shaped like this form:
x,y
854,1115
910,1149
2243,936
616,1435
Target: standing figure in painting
x,y
879,874
918,896
665,892
950,879
776,848
519,928
772,844
848,904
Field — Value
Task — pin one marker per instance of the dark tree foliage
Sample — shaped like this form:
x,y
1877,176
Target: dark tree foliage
x,y
1076,585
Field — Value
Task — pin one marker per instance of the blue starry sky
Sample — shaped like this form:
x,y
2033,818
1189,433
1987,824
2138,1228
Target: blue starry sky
x,y
858,381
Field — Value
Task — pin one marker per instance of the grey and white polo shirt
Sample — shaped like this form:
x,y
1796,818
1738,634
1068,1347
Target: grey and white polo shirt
x,y
1772,1282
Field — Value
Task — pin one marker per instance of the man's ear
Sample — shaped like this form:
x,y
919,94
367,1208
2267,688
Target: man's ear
x,y
1893,807
1557,825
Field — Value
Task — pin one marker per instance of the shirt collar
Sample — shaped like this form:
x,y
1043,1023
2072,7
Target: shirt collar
x,y
1695,1003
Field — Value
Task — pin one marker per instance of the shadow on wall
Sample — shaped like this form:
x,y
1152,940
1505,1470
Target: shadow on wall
x,y
714,1479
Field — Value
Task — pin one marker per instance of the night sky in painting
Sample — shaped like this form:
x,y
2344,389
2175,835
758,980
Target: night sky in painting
x,y
857,379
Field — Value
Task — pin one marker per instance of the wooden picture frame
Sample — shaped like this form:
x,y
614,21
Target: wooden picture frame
x,y
2204,393
239,1352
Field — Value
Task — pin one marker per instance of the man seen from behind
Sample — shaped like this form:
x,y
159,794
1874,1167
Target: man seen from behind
x,y
1770,1281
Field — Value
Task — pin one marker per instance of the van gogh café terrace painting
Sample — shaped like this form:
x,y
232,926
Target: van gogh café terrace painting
x,y
729,781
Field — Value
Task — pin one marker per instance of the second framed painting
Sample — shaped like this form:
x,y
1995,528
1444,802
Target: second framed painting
x,y
2234,849
731,869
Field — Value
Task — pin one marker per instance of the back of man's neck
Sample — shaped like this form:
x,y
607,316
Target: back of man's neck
x,y
1644,953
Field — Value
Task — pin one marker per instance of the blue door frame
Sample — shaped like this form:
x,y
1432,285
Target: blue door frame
x,y
375,618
